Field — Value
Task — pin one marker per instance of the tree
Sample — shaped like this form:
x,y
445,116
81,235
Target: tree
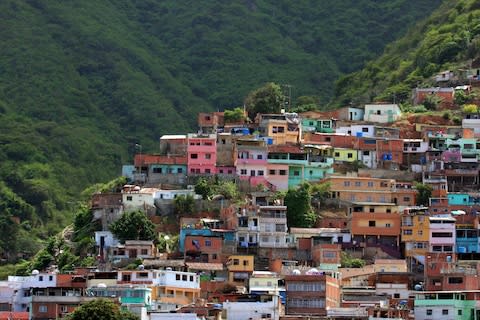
x,y
267,99
470,108
234,116
101,309
184,204
203,188
133,226
424,192
299,209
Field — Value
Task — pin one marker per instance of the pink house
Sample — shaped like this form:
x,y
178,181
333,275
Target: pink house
x,y
251,160
442,233
202,153
277,175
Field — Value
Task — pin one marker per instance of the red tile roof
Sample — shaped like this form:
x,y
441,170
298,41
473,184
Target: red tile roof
x,y
7,315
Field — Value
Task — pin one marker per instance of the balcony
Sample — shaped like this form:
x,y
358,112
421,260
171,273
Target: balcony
x,y
461,172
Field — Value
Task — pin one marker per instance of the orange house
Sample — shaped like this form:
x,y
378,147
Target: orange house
x,y
362,189
204,248
377,223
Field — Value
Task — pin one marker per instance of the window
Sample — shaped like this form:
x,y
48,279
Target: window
x,y
243,172
444,312
260,172
296,173
129,198
366,153
177,277
245,262
441,234
157,170
364,129
455,280
407,232
337,154
459,312
191,278
346,183
184,277
50,278
208,156
329,254
420,232
371,223
271,172
370,184
193,156
208,243
283,172
358,183
144,252
388,225
396,295
63,309
349,155
143,274
207,170
280,227
429,312
40,278
236,262
43,308
389,210
259,156
252,173
126,277
220,171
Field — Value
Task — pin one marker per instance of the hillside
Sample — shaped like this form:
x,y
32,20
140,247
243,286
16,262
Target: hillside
x,y
82,82
448,40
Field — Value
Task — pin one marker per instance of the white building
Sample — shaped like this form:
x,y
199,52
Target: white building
x,y
266,307
382,113
361,130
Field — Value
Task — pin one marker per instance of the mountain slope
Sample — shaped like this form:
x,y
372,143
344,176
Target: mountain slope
x,y
82,82
448,40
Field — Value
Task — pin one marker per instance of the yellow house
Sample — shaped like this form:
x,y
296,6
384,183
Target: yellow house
x,y
415,234
283,128
345,155
176,287
240,267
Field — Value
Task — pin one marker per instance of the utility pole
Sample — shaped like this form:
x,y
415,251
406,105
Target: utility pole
x,y
287,89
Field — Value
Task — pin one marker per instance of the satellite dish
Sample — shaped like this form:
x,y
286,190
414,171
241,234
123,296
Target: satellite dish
x,y
296,272
141,267
101,285
418,287
35,272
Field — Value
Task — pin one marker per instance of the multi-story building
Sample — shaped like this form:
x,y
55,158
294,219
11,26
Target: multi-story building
x,y
240,267
414,236
307,163
362,189
442,234
311,293
282,128
156,169
201,154
176,287
251,160
375,224
460,305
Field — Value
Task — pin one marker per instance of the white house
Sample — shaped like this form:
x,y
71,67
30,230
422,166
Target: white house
x,y
382,113
135,198
266,307
361,130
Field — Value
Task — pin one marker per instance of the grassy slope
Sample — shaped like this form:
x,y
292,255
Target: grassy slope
x,y
449,39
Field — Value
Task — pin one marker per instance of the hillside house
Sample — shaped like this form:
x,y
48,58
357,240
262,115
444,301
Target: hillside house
x,y
382,113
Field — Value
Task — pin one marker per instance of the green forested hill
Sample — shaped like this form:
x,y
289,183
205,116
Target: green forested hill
x,y
448,40
82,81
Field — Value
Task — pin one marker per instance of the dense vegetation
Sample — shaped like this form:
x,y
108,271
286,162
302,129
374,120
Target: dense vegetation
x,y
448,40
82,83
